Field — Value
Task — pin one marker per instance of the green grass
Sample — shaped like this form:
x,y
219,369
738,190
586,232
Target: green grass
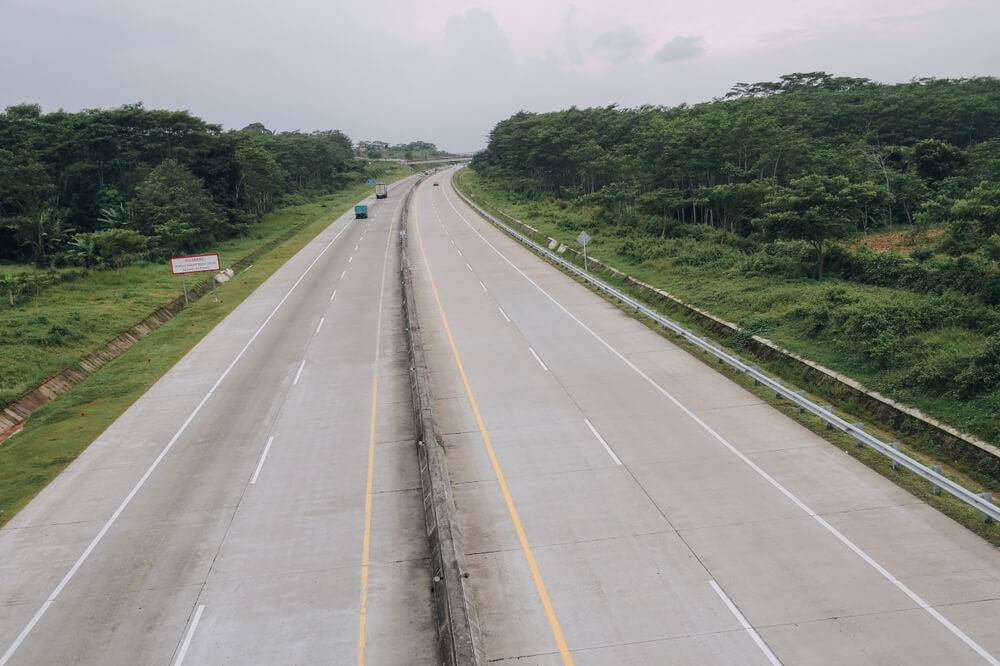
x,y
56,433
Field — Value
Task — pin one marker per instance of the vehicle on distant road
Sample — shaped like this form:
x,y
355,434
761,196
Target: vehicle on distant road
x,y
360,212
435,184
381,190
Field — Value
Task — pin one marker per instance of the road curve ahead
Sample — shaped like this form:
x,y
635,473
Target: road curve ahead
x,y
622,503
260,505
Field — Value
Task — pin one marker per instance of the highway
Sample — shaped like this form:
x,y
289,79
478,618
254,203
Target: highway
x,y
621,502
260,505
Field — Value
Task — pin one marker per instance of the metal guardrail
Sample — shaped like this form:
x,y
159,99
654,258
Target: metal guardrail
x,y
981,502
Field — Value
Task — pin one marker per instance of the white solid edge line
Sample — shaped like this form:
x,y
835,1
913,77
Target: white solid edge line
x,y
190,634
603,443
503,313
166,449
260,463
746,625
961,635
321,320
299,373
538,359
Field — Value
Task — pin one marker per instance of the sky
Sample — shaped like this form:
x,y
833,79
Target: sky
x,y
447,71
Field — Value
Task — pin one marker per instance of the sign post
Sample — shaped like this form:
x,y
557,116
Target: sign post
x,y
583,239
200,263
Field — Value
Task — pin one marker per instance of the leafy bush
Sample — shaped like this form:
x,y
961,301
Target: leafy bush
x,y
790,259
982,374
639,249
757,326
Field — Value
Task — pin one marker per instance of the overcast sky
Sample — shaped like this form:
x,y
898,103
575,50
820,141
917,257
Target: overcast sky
x,y
446,71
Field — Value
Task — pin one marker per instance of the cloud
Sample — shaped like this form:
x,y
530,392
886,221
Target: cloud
x,y
680,48
572,45
477,37
782,35
619,46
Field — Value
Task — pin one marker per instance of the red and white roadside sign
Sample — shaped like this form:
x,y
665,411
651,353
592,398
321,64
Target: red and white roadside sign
x,y
199,263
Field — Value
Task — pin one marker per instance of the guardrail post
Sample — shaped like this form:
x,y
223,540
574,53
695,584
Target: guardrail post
x,y
828,408
777,394
801,394
989,498
721,355
936,468
857,440
894,445
756,382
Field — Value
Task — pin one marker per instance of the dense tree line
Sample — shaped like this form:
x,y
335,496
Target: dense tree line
x,y
107,185
810,157
400,151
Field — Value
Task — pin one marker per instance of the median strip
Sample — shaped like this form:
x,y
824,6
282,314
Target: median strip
x,y
460,640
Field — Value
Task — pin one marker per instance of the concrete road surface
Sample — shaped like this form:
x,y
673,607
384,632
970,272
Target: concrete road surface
x,y
260,505
622,503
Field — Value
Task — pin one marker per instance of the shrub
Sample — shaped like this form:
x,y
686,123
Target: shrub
x,y
982,373
639,249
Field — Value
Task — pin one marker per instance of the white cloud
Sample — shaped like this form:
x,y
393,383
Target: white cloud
x,y
619,46
680,48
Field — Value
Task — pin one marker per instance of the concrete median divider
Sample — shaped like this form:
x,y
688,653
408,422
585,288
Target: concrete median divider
x,y
458,634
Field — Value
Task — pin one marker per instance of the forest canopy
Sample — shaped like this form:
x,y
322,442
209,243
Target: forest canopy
x,y
811,157
76,187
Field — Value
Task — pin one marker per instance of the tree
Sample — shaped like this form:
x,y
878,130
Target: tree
x,y
815,209
981,206
936,159
83,247
734,204
259,178
119,246
172,193
174,237
44,233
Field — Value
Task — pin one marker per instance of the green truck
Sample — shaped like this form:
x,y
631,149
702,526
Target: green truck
x,y
360,212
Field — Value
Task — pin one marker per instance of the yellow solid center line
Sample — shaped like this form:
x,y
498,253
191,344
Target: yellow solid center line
x,y
367,542
515,518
